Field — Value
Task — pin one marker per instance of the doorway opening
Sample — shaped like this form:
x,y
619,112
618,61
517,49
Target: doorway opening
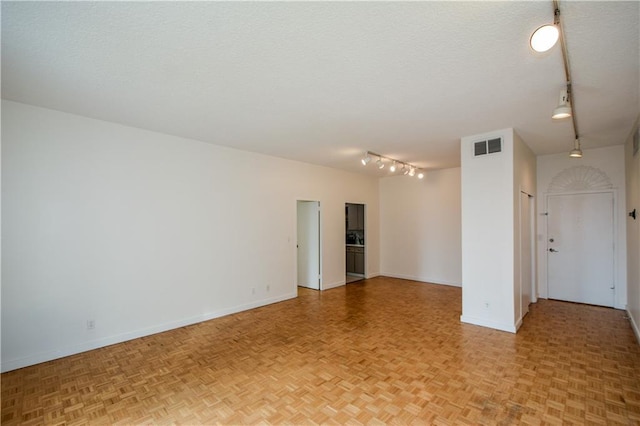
x,y
355,240
308,244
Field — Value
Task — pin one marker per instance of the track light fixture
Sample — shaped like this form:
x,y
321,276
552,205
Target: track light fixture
x,y
407,168
546,36
567,106
576,152
563,110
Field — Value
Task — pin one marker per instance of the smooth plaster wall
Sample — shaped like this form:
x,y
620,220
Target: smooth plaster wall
x,y
144,232
488,233
632,168
420,228
610,161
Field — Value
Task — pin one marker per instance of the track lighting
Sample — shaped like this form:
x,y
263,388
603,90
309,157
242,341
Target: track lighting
x,y
407,169
567,106
563,110
546,36
576,152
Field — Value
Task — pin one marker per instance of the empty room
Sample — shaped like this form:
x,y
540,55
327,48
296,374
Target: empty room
x,y
320,213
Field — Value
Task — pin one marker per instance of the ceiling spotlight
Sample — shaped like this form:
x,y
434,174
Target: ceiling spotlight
x,y
393,167
412,172
365,160
420,175
405,170
563,110
545,37
380,163
576,152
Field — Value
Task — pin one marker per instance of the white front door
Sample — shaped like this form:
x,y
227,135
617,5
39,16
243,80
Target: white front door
x,y
580,248
309,244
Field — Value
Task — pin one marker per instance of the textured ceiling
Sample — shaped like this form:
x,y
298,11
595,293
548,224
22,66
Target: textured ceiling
x,y
322,82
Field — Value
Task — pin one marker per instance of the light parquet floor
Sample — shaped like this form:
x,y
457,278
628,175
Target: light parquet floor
x,y
380,351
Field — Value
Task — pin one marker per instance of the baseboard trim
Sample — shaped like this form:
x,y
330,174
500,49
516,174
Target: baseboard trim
x,y
14,364
634,325
510,328
421,279
333,285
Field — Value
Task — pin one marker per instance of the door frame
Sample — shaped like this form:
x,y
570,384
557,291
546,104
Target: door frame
x,y
614,194
533,293
295,242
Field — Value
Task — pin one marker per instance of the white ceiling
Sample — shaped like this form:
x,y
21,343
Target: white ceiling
x,y
322,82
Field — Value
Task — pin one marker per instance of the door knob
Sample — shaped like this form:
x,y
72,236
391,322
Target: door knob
x,y
552,250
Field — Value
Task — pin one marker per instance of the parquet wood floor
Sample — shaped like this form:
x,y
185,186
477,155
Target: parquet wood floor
x,y
380,351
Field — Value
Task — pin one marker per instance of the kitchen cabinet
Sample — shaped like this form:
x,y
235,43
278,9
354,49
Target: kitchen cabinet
x,y
355,217
359,262
355,260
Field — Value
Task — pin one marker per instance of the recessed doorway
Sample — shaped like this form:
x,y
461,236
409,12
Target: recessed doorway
x,y
355,242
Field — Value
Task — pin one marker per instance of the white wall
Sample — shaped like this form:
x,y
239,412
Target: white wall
x,y
610,161
632,167
144,232
488,233
420,227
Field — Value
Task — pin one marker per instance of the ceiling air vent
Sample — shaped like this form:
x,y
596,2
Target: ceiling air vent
x,y
490,146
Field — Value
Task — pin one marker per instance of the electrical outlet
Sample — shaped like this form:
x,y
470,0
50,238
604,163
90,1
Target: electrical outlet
x,y
91,324
253,290
268,287
486,305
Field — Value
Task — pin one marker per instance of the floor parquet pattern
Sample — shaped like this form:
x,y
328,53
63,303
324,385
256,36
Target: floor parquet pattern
x,y
379,351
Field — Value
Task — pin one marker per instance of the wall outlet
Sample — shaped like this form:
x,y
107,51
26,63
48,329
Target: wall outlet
x,y
486,305
91,324
268,287
253,290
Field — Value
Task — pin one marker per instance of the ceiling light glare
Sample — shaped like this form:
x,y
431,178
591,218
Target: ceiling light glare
x,y
544,38
380,164
365,160
420,175
393,167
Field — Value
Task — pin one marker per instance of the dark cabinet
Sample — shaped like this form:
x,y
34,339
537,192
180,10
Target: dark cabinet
x,y
355,260
359,263
355,217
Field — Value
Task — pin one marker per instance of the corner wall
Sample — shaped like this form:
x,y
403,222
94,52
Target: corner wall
x,y
632,178
420,231
488,233
144,232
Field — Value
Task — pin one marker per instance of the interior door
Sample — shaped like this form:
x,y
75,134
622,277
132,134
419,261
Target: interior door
x,y
580,248
309,244
526,251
